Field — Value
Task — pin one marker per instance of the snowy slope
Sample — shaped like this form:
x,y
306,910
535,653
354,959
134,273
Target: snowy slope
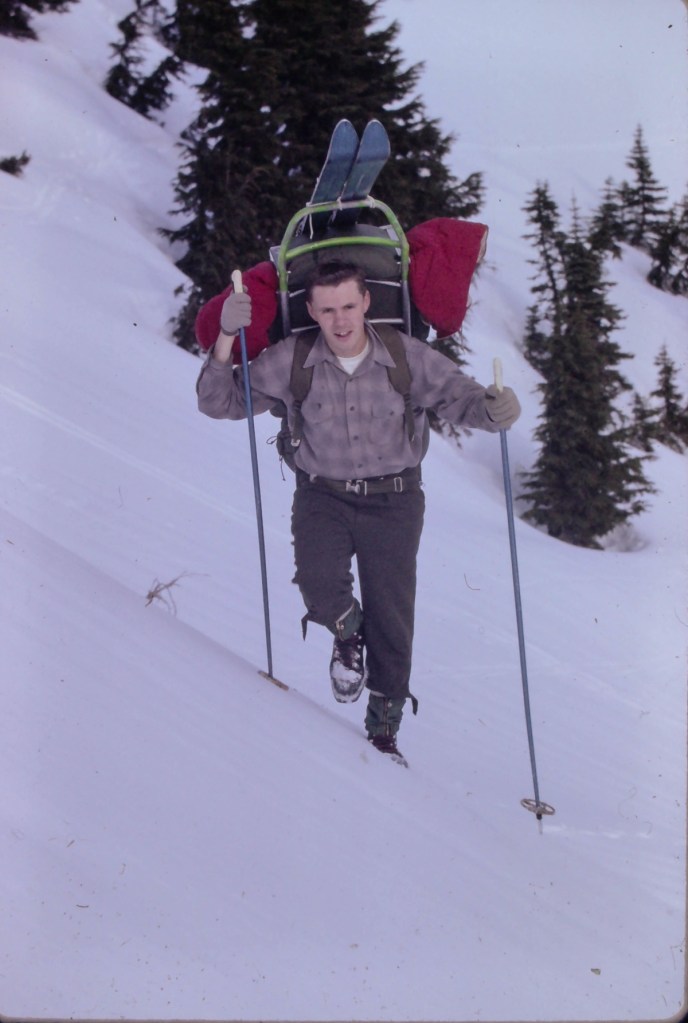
x,y
181,839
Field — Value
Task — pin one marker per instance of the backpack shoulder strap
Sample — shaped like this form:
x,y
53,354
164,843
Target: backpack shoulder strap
x,y
399,374
301,376
300,380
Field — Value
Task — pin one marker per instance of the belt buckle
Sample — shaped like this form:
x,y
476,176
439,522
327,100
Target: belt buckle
x,y
357,487
398,484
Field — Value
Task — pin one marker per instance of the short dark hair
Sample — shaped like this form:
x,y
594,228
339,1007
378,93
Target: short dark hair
x,y
332,273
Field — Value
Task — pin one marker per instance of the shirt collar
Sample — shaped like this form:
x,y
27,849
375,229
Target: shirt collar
x,y
320,352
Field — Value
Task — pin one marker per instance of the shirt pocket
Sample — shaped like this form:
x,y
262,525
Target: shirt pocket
x,y
316,411
387,419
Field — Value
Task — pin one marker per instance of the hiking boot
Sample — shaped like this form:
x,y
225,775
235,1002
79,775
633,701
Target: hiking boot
x,y
347,668
383,714
388,744
382,720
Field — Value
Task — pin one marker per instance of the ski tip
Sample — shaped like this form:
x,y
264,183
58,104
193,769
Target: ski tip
x,y
345,127
376,140
375,127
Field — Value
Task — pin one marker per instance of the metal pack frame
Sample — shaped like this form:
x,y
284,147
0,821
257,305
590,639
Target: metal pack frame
x,y
391,237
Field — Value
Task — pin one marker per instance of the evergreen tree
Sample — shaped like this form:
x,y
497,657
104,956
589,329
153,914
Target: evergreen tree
x,y
228,176
155,92
536,340
643,428
15,15
203,32
545,324
669,252
584,482
662,252
125,81
123,78
679,278
643,198
15,20
607,227
671,424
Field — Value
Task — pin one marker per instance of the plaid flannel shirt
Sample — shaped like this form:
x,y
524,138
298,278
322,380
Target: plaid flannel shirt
x,y
353,426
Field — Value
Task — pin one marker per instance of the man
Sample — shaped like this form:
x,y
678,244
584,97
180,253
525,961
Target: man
x,y
358,482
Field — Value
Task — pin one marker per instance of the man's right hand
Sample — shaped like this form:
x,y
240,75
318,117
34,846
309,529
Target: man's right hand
x,y
236,313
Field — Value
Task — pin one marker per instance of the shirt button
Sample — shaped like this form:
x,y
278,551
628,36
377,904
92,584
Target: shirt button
x,y
352,408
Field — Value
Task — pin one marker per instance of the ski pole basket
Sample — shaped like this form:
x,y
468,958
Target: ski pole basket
x,y
382,251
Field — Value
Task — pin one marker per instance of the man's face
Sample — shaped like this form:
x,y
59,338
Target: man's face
x,y
339,311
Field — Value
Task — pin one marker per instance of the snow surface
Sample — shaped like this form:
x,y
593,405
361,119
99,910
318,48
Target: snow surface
x,y
181,839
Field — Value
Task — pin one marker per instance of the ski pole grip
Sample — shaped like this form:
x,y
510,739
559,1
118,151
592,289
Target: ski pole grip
x,y
237,282
498,375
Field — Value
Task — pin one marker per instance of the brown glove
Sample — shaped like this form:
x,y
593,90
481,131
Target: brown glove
x,y
503,406
236,313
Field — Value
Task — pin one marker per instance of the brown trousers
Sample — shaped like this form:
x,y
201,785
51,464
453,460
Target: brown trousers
x,y
382,531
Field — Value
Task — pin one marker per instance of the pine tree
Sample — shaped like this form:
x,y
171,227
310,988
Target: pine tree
x,y
643,200
545,322
15,15
662,252
123,78
228,176
679,280
671,424
125,81
203,32
15,20
643,428
607,227
155,91
678,283
584,482
669,252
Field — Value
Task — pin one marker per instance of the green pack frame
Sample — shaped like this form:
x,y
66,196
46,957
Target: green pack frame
x,y
382,251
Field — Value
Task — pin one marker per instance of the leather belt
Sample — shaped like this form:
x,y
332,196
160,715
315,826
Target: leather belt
x,y
394,483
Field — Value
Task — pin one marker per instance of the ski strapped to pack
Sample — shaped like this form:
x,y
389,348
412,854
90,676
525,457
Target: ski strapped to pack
x,y
349,173
334,174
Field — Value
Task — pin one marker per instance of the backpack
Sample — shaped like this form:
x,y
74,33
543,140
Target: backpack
x,y
301,377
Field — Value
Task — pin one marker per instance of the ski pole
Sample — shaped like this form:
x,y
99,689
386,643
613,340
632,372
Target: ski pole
x,y
535,805
238,288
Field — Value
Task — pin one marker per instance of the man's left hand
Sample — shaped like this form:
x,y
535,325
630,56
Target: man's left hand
x,y
503,407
